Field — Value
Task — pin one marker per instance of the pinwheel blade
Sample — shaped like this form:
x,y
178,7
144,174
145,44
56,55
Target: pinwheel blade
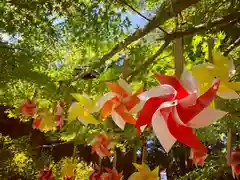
x,y
118,120
206,117
184,134
162,132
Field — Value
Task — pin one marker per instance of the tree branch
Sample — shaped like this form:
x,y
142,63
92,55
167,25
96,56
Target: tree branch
x,y
149,61
163,15
226,20
232,46
133,9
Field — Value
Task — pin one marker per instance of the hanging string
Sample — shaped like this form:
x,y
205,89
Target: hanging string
x,y
125,71
144,150
210,43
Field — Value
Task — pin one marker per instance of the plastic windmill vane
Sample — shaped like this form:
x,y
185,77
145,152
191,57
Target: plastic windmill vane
x,y
82,109
222,69
144,173
174,111
120,103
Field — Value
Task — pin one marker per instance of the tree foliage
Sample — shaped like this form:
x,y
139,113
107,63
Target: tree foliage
x,y
48,39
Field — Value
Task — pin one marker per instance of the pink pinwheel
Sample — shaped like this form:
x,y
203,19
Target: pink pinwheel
x,y
60,114
173,111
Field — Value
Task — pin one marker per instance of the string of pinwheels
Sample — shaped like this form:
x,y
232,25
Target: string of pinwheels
x,y
174,108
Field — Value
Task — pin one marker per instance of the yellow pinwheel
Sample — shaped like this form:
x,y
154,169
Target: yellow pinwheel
x,y
46,121
82,109
221,69
68,167
144,173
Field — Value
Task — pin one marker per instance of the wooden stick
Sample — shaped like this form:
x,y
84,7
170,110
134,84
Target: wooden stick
x,y
144,150
178,57
125,71
99,162
229,146
210,48
115,159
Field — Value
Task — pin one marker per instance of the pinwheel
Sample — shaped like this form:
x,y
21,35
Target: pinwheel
x,y
198,157
59,115
68,178
101,145
235,162
173,111
144,173
28,108
36,123
81,110
46,174
68,168
111,174
96,174
220,69
119,103
45,121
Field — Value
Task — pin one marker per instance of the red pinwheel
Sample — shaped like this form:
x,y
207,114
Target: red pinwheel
x,y
46,174
198,157
96,174
28,108
111,174
60,114
174,111
235,162
68,178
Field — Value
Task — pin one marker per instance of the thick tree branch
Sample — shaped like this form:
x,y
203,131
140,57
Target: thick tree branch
x,y
232,18
144,17
163,15
149,61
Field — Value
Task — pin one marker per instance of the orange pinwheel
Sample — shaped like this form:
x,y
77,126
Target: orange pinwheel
x,y
101,145
120,103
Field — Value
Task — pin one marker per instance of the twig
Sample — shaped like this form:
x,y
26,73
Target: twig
x,y
149,60
232,46
51,145
12,48
163,15
226,20
140,14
